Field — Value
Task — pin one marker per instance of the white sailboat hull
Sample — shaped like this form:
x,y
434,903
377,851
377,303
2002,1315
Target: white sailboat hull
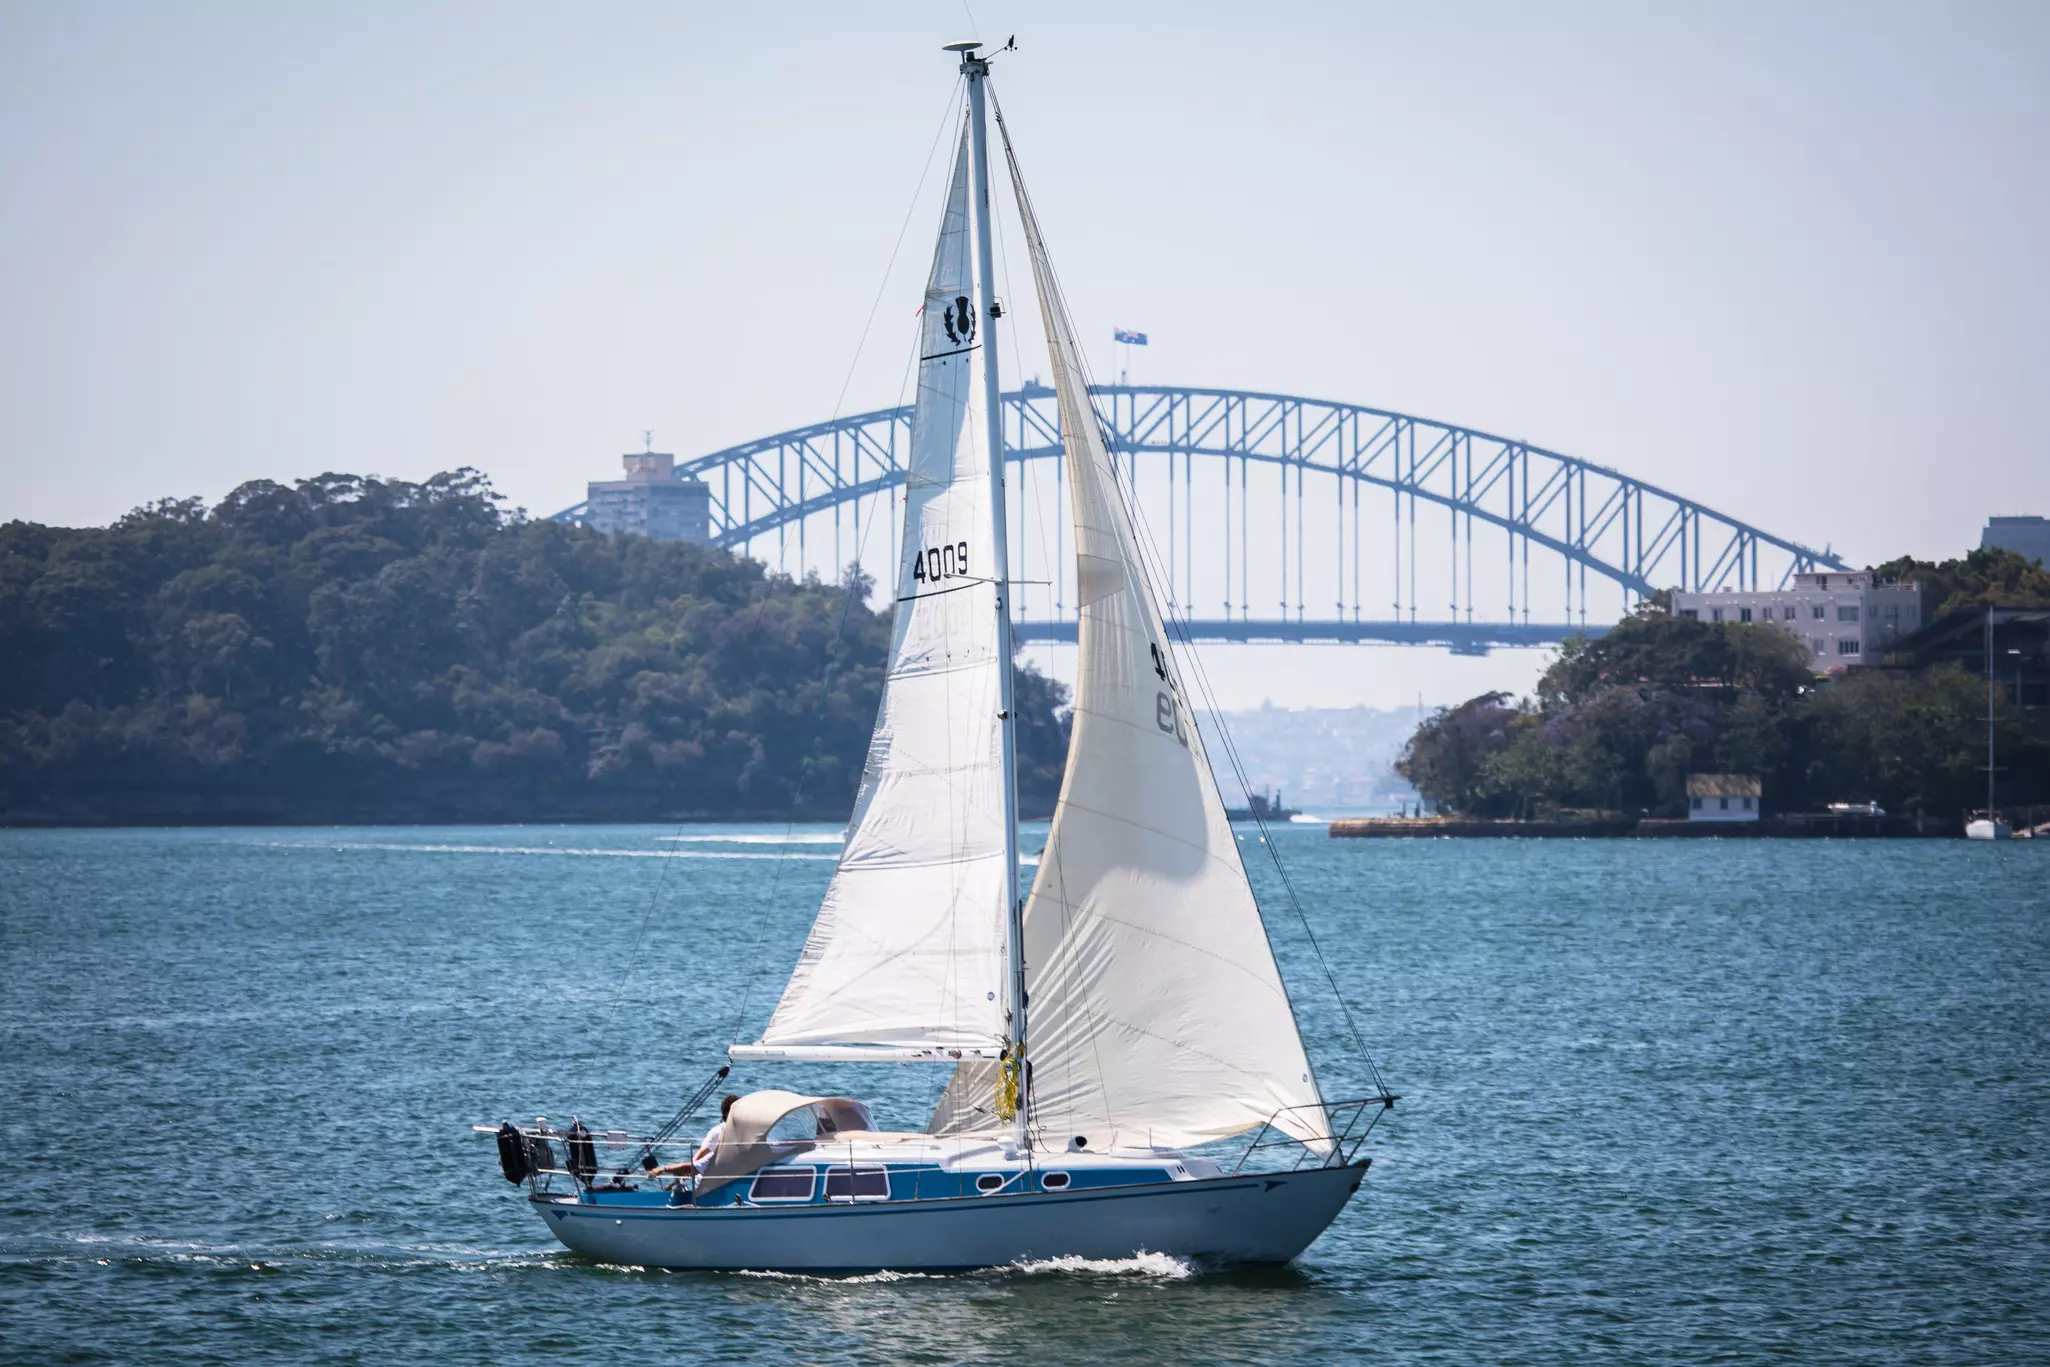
x,y
1983,829
1245,1218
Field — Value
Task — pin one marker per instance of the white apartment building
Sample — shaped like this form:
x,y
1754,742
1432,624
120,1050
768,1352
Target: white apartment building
x,y
651,501
1843,617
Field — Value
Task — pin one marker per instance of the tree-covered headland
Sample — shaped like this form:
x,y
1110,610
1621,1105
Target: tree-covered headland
x,y
360,649
1617,723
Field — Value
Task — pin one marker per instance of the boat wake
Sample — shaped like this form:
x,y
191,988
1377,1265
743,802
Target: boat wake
x,y
107,1250
859,1279
1152,1266
1158,1267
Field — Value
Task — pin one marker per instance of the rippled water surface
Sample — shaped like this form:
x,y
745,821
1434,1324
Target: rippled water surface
x,y
1664,1101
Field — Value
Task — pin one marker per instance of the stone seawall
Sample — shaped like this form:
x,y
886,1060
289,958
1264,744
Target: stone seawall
x,y
1779,828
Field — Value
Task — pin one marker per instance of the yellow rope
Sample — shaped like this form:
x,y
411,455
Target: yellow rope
x,y
1007,1088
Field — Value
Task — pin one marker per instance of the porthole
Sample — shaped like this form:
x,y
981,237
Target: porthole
x,y
1054,1181
990,1181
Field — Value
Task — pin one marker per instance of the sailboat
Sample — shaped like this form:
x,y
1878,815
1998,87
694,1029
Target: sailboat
x,y
1990,826
1109,1031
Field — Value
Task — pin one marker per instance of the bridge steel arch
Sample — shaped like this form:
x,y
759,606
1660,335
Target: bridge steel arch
x,y
1582,516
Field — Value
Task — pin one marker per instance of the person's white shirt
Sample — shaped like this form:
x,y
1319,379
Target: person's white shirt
x,y
714,1137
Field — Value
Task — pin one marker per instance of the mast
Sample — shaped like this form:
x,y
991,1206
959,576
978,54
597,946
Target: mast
x,y
975,70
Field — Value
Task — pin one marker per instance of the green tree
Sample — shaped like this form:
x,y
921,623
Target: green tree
x,y
1447,759
1975,579
353,648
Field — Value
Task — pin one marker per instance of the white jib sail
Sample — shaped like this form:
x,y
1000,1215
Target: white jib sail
x,y
908,948
1158,1016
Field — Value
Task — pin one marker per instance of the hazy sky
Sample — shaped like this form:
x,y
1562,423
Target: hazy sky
x,y
1787,259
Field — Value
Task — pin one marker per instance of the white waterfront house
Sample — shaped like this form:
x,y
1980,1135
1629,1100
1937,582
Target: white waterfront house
x,y
1723,797
1842,616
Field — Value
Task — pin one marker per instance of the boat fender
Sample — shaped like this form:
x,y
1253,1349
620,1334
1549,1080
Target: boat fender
x,y
512,1153
583,1154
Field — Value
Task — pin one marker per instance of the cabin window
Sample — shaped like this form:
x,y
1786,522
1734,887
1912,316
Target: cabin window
x,y
1697,803
1747,804
1726,804
858,1184
989,1181
782,1184
1054,1181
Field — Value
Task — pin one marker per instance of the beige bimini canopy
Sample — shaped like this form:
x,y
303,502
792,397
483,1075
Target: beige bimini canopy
x,y
746,1145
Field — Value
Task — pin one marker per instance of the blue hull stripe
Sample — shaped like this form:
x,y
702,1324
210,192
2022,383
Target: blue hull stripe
x,y
936,1205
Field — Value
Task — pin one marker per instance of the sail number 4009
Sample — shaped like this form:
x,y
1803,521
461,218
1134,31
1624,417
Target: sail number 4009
x,y
940,562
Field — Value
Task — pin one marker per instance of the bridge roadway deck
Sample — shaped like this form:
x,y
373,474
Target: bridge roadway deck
x,y
1465,638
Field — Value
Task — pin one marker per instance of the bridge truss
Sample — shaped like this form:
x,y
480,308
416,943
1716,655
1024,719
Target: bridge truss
x,y
1261,505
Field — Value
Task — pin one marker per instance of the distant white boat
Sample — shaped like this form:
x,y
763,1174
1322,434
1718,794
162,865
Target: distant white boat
x,y
1988,828
1158,1020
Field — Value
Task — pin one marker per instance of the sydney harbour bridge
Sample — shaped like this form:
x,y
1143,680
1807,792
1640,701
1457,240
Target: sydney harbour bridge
x,y
1272,517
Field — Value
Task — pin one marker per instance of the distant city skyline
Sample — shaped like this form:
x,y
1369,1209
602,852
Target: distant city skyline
x,y
1785,261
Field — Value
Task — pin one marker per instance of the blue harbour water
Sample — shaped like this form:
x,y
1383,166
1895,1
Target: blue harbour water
x,y
1677,1102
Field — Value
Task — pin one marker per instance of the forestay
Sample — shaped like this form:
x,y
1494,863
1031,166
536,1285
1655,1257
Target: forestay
x,y
1158,1016
907,953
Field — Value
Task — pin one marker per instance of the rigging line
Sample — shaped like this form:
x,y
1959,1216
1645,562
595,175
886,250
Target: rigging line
x,y
647,916
677,1121
847,601
847,596
953,97
860,553
775,882
1026,507
1180,629
1179,626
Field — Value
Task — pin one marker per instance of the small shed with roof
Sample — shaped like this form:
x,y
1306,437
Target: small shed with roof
x,y
1724,797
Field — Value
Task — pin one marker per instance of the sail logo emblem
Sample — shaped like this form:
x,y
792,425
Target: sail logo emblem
x,y
1166,714
960,321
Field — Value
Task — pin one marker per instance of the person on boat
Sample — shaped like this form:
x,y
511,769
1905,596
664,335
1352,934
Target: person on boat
x,y
698,1161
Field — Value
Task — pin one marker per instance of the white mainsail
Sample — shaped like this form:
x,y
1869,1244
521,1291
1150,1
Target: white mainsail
x,y
1158,1015
908,953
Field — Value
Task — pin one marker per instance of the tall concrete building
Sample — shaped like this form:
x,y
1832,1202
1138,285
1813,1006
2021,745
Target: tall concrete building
x,y
2028,537
1843,617
651,501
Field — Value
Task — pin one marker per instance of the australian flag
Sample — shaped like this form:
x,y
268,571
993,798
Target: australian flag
x,y
1129,337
